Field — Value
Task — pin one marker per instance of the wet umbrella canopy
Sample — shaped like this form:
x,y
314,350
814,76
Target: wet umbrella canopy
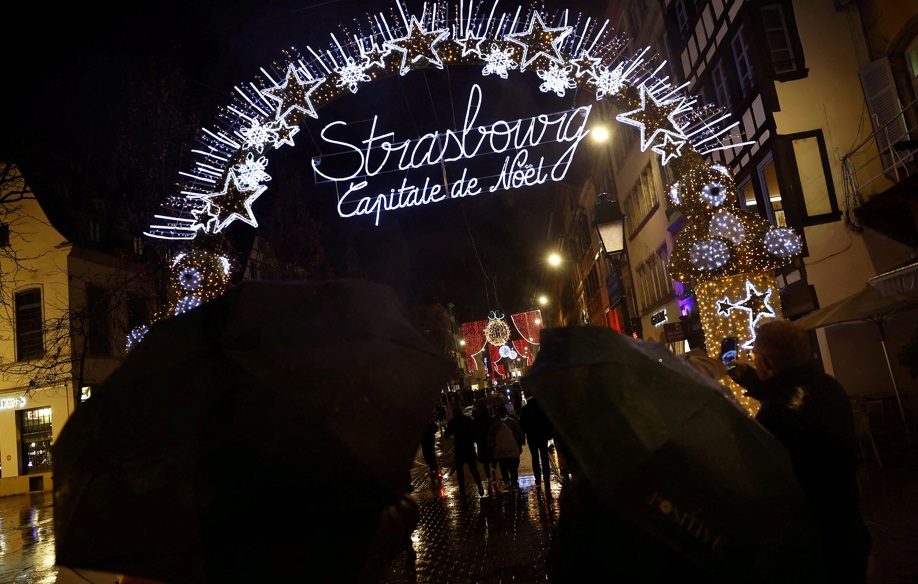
x,y
671,452
310,392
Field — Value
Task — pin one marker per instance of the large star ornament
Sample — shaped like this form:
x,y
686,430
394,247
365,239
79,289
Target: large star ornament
x,y
541,46
653,118
418,45
228,205
294,94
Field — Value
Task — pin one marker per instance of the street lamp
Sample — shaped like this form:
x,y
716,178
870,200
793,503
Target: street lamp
x,y
609,222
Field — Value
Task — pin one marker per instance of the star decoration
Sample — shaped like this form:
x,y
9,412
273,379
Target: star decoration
x,y
540,45
652,118
584,64
724,306
471,45
295,95
374,58
283,133
755,303
228,205
417,45
669,149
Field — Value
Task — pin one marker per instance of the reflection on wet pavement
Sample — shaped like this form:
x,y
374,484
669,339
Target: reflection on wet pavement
x,y
27,539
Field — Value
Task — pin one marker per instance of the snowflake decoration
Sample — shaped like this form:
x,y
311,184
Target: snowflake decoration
x,y
257,135
187,303
608,82
499,61
709,254
351,74
251,173
782,242
557,79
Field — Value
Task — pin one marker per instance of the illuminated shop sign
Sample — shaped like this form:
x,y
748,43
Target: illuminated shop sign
x,y
8,403
658,318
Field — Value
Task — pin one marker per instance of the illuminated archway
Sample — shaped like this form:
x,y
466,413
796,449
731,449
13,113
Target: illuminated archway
x,y
566,52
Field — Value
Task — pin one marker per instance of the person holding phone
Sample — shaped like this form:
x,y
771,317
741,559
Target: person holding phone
x,y
810,413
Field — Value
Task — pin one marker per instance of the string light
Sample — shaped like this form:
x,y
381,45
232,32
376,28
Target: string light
x,y
497,332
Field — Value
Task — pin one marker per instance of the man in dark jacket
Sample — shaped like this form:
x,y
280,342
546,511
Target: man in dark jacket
x,y
538,430
462,429
810,414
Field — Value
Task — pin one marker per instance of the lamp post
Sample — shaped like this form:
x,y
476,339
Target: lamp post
x,y
609,222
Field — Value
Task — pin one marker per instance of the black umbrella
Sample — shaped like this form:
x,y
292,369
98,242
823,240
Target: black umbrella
x,y
313,394
673,453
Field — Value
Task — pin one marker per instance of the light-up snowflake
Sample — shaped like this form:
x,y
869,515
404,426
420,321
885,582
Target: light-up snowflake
x,y
608,82
498,61
557,79
352,74
257,135
251,172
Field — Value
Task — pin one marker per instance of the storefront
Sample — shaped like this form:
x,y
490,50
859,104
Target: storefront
x,y
29,423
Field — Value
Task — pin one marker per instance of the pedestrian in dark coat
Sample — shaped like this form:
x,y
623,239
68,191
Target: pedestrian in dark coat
x,y
483,420
810,414
538,430
462,428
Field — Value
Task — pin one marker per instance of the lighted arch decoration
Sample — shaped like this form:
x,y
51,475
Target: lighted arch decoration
x,y
566,51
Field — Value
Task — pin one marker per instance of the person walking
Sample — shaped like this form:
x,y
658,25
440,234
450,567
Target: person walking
x,y
461,428
482,418
506,439
810,413
538,431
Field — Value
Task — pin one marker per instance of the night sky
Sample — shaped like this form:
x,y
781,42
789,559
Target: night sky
x,y
69,95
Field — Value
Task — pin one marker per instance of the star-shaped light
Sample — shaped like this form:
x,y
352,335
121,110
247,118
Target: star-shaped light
x,y
669,149
584,64
293,94
228,205
418,44
653,118
283,133
724,306
541,45
374,58
757,304
471,44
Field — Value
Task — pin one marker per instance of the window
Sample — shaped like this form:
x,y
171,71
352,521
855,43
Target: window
x,y
779,42
803,161
682,15
721,90
35,432
747,197
30,342
911,60
768,179
4,234
743,61
98,333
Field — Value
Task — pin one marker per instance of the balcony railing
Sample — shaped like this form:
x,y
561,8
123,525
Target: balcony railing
x,y
876,164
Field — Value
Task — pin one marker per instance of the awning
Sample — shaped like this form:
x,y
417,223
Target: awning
x,y
900,280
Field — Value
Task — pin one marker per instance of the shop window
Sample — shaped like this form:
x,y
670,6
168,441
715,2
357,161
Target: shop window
x,y
30,342
743,61
35,435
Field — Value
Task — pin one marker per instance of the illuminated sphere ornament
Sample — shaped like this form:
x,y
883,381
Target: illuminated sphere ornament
x,y
726,225
504,351
497,332
782,242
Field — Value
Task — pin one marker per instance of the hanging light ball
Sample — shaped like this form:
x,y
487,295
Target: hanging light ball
x,y
725,224
497,332
504,351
